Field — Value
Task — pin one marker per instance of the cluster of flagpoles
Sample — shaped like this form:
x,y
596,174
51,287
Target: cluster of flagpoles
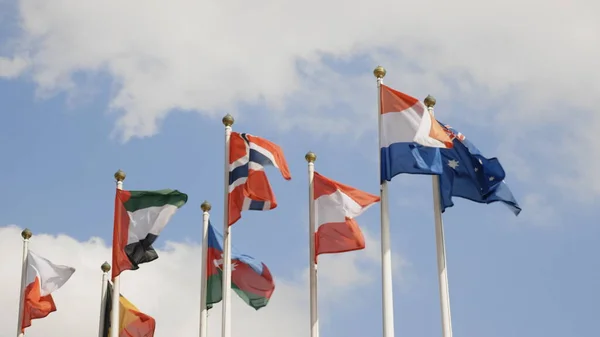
x,y
386,251
347,212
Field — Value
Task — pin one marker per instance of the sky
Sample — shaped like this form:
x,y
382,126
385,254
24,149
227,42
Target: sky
x,y
87,88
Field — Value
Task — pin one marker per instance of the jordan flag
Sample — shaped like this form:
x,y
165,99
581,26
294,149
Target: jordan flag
x,y
336,206
42,279
140,216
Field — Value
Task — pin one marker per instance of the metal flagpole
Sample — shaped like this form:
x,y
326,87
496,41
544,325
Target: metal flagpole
x,y
203,281
226,302
114,312
26,234
314,316
105,269
387,299
440,245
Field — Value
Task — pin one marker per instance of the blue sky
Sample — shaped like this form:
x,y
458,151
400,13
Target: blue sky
x,y
62,140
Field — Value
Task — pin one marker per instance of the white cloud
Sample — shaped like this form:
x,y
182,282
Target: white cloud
x,y
535,60
10,68
168,289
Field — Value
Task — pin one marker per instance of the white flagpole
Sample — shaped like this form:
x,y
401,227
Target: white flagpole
x,y
203,281
26,235
386,250
440,245
226,302
314,316
105,269
114,311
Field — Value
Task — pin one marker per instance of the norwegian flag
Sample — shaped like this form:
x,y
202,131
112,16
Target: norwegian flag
x,y
249,187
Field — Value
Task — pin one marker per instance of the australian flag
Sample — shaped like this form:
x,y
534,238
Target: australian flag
x,y
468,174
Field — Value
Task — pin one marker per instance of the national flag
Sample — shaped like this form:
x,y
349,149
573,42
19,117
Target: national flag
x,y
132,322
249,187
42,279
336,206
469,175
250,279
140,216
407,129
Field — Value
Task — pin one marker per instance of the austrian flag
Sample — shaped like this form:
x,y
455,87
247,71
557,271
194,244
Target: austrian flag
x,y
140,216
336,206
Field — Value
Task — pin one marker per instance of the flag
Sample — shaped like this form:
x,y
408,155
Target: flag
x,y
42,279
250,279
336,206
249,187
140,216
407,130
132,322
469,175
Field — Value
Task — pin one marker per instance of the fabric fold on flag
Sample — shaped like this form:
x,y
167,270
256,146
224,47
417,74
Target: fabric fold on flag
x,y
336,206
407,130
42,279
132,322
249,187
470,175
140,216
250,278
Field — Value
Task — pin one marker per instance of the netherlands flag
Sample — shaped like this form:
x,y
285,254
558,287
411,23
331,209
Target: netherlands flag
x,y
249,187
407,133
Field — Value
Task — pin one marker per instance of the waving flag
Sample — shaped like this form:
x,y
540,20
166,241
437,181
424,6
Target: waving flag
x,y
43,278
140,216
336,206
469,175
407,130
249,187
250,279
132,322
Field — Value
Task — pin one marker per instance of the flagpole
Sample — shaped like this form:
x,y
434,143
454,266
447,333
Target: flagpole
x,y
114,312
105,267
203,281
226,302
314,316
387,300
26,234
440,245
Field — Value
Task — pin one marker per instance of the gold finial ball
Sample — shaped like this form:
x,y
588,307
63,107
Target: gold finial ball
x,y
205,206
120,175
228,120
429,101
105,267
379,72
26,234
310,157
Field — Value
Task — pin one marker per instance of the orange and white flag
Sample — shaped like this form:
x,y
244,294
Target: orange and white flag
x,y
336,206
43,278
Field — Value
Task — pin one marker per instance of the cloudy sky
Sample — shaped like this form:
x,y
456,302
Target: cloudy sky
x,y
88,87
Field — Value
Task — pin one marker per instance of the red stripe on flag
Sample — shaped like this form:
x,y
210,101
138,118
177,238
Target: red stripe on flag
x,y
120,261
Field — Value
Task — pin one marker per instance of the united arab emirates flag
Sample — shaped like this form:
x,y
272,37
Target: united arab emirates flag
x,y
140,216
250,278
